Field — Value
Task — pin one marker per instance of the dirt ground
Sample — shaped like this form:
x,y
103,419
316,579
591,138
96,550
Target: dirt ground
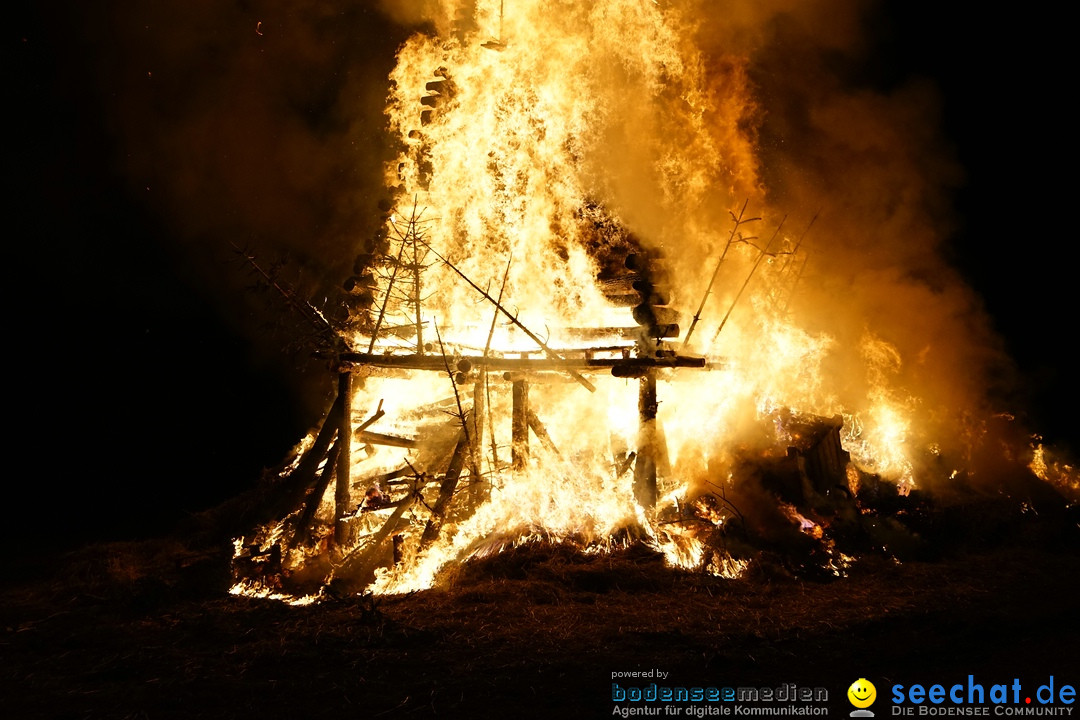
x,y
147,630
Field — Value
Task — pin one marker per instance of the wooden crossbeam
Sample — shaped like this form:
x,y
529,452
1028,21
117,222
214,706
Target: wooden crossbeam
x,y
581,363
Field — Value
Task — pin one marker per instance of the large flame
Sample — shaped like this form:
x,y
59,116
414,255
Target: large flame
x,y
538,139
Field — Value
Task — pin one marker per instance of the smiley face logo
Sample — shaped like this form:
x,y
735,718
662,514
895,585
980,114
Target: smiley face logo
x,y
862,693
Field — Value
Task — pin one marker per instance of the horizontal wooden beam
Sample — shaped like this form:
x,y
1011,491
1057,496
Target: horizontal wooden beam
x,y
375,438
581,363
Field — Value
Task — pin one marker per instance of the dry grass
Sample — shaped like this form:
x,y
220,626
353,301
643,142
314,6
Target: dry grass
x,y
146,630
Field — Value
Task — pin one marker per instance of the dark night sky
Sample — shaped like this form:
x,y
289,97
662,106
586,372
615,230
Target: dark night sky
x,y
145,374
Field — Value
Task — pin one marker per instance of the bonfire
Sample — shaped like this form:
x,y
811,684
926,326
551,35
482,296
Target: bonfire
x,y
585,321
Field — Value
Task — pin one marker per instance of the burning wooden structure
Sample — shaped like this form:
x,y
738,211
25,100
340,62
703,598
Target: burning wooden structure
x,y
365,525
502,426
518,357
359,505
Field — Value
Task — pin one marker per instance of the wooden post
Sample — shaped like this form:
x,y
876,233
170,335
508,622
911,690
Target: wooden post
x,y
519,436
663,459
446,493
342,494
300,480
302,533
645,464
542,434
476,436
357,569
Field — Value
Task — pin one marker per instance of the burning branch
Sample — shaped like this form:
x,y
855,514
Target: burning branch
x,y
708,289
446,492
761,256
324,329
298,482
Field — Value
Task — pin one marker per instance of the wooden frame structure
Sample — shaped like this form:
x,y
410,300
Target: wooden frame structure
x,y
330,457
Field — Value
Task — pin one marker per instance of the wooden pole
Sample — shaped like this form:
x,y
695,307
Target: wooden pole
x,y
645,463
623,365
358,567
519,428
343,491
476,489
302,533
297,483
712,281
446,492
542,434
663,459
513,318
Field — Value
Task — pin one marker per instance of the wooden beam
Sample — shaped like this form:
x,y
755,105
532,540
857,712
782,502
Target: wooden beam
x,y
542,434
477,491
302,533
519,428
538,377
297,483
375,438
580,362
446,492
645,463
343,490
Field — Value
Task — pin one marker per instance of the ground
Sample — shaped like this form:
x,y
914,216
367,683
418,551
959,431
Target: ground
x,y
147,630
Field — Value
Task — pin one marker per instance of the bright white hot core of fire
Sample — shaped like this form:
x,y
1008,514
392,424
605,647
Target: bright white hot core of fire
x,y
540,113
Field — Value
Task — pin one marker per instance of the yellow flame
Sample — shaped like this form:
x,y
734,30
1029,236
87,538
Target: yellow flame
x,y
539,137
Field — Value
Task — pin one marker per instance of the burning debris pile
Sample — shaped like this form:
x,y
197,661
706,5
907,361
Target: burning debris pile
x,y
572,328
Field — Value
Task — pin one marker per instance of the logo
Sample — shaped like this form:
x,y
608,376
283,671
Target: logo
x,y
862,695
